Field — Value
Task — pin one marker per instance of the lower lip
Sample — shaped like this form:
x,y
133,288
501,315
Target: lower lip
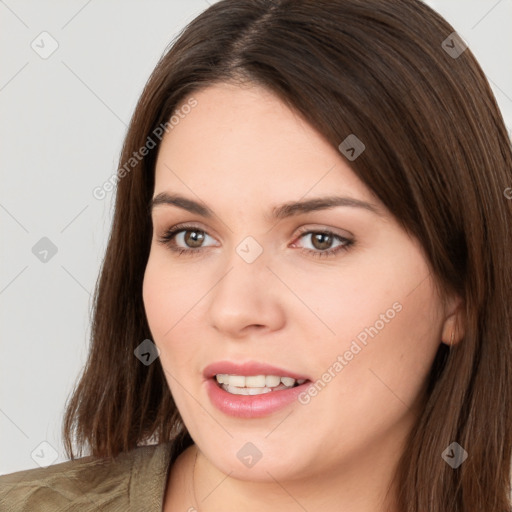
x,y
252,406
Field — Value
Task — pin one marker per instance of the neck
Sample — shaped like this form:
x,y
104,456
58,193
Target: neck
x,y
361,485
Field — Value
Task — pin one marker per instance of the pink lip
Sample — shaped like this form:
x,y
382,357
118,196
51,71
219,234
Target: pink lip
x,y
248,368
250,406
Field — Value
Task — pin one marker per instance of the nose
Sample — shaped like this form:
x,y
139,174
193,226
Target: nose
x,y
246,300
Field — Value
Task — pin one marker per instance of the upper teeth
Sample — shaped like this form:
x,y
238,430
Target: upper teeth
x,y
256,381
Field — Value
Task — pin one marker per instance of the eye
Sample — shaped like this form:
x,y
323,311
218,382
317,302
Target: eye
x,y
189,239
322,243
184,239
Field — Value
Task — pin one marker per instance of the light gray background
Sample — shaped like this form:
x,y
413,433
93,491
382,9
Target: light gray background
x,y
62,126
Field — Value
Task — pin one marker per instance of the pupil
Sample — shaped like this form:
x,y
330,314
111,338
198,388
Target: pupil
x,y
195,236
322,240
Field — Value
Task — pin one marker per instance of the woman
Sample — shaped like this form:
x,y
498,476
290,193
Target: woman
x,y
306,297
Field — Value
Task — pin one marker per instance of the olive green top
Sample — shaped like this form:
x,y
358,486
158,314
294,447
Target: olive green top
x,y
134,480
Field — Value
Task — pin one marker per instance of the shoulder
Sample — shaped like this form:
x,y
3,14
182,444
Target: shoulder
x,y
90,483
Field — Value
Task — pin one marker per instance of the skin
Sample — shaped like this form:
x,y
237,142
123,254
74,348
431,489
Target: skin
x,y
241,151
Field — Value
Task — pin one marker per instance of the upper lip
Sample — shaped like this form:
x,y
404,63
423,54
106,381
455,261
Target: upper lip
x,y
248,368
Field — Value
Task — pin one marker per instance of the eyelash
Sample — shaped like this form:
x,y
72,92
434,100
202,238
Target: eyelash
x,y
168,239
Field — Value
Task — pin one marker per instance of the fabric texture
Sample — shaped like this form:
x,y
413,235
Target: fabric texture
x,y
134,480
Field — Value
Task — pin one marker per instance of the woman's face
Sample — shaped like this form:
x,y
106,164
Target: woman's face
x,y
340,297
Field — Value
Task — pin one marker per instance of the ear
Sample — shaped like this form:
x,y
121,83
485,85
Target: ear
x,y
453,326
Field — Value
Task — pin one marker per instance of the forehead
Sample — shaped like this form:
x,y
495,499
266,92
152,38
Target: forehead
x,y
244,145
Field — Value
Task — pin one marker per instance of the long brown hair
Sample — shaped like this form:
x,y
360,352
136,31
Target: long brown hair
x,y
438,156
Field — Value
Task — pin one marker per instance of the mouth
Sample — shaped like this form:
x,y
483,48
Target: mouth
x,y
255,384
252,390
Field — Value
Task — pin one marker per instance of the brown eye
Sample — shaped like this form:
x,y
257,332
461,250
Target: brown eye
x,y
193,238
185,239
190,240
322,241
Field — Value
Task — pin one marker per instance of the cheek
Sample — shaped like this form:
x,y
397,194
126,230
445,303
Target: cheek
x,y
160,297
156,302
160,303
167,295
384,365
171,306
386,321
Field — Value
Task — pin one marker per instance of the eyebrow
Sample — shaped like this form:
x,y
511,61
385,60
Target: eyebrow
x,y
278,212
